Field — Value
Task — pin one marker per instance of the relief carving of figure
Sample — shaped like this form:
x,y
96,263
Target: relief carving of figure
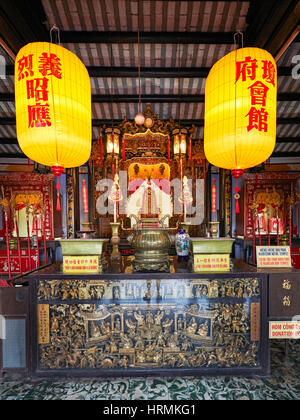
x,y
158,317
126,341
140,318
203,329
95,332
192,327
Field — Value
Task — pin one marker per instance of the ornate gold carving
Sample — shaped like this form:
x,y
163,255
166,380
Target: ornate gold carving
x,y
111,332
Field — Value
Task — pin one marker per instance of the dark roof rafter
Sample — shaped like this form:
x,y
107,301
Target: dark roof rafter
x,y
122,37
271,23
159,72
274,155
179,98
12,140
183,122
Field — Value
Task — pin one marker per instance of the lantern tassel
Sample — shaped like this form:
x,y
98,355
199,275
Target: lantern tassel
x,y
237,173
237,207
237,196
58,207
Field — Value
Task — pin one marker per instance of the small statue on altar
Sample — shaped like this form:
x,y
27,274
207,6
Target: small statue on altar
x,y
261,220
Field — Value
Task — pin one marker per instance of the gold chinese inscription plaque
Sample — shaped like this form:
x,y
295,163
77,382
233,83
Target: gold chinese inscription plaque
x,y
255,321
43,324
167,323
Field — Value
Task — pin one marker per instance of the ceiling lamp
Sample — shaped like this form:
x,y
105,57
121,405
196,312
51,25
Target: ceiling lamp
x,y
139,118
240,110
53,106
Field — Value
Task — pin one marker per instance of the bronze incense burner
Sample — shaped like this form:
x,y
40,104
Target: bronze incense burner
x,y
151,242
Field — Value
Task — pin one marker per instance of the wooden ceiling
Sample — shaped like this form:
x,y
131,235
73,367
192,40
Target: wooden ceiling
x,y
179,42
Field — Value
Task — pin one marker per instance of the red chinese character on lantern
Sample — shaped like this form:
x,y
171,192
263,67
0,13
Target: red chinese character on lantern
x,y
257,119
246,69
25,66
258,92
37,89
50,65
38,115
269,72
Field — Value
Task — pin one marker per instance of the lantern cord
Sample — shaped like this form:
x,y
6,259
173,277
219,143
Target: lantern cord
x,y
139,61
57,30
179,81
236,39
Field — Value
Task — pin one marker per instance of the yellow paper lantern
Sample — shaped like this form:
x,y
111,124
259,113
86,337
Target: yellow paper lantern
x,y
240,110
53,106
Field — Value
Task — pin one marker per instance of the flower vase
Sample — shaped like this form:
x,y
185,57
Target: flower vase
x,y
182,245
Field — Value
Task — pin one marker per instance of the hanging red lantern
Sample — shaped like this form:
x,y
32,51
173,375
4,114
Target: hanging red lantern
x,y
53,107
240,111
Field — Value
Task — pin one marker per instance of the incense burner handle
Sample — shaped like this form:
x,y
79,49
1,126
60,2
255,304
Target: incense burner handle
x,y
161,221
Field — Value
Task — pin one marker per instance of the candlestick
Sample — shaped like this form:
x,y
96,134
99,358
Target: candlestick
x,y
7,244
268,221
37,242
28,235
18,240
43,210
277,219
115,212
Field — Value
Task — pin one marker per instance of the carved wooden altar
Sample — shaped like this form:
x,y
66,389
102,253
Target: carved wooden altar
x,y
34,189
265,196
147,152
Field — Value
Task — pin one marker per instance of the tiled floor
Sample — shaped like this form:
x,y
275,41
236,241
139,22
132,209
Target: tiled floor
x,y
282,384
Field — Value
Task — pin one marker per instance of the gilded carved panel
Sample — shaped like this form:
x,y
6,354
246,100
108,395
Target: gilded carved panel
x,y
150,324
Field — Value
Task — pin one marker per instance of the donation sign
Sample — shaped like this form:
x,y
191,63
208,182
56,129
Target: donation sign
x,y
284,329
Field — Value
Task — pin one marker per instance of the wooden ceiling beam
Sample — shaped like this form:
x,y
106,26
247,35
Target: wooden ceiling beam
x,y
157,98
22,22
150,72
271,24
183,122
124,37
279,140
275,154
